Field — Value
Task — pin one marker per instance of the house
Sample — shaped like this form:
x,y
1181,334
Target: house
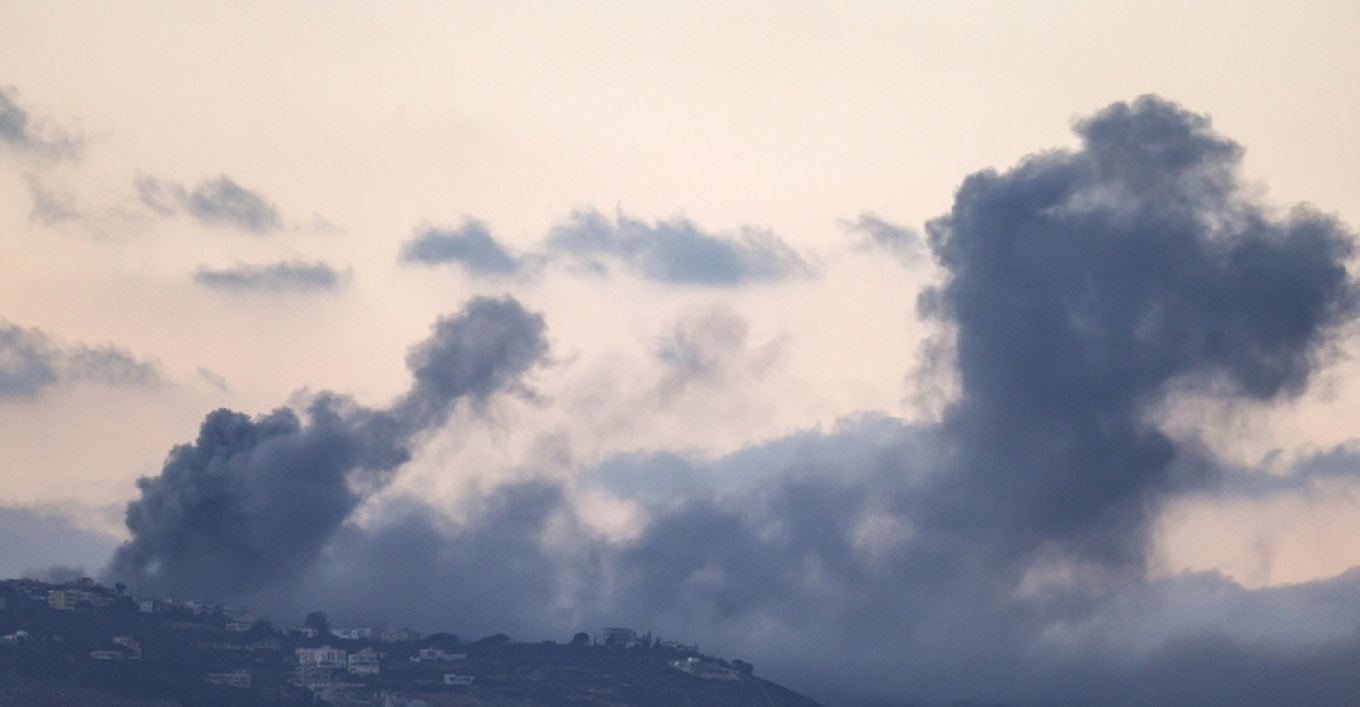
x,y
400,635
457,680
353,634
622,637
323,657
365,662
66,599
433,655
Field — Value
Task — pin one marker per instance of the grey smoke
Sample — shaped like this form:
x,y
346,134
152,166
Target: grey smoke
x,y
31,361
50,207
470,246
287,275
27,136
215,202
34,536
901,242
997,556
255,500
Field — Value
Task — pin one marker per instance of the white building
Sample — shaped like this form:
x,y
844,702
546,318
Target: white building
x,y
457,680
365,662
323,657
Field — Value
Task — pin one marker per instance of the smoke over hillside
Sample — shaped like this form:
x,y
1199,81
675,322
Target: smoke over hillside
x,y
998,555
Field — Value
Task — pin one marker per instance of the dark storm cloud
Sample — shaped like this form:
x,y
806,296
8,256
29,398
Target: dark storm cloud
x,y
288,275
25,135
31,361
471,246
214,202
254,500
677,252
903,243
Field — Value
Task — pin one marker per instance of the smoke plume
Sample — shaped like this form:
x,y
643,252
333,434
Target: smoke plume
x,y
254,500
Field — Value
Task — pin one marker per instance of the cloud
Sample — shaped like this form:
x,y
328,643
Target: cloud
x,y
288,275
675,252
31,361
214,202
24,135
903,243
678,252
254,500
470,246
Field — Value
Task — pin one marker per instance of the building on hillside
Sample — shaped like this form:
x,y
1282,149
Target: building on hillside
x,y
434,655
622,637
457,680
66,599
400,635
353,634
323,657
365,662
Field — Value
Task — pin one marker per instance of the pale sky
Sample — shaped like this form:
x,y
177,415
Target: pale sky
x,y
354,128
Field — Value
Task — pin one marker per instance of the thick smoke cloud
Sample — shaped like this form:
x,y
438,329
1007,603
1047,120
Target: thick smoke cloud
x,y
288,275
253,500
1083,287
998,555
31,361
214,202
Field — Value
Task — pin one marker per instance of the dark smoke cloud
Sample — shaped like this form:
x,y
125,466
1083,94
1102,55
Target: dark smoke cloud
x,y
253,500
31,361
1085,286
24,135
214,202
470,246
996,556
288,275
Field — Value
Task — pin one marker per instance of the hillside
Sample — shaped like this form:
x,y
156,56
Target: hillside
x,y
80,643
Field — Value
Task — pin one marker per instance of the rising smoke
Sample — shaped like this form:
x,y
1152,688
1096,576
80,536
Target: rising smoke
x,y
253,500
998,555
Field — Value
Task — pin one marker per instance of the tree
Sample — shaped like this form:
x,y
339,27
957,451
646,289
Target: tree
x,y
743,667
581,639
317,620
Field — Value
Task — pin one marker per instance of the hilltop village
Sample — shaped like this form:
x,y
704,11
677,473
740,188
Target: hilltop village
x,y
83,643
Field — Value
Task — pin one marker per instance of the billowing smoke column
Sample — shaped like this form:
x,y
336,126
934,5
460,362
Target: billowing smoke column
x,y
997,556
254,500
1084,286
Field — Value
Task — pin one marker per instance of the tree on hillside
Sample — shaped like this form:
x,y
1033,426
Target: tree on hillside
x,y
317,620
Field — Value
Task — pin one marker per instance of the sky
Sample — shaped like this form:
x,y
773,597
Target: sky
x,y
921,350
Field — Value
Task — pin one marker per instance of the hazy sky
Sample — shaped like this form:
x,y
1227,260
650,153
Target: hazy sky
x,y
719,211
